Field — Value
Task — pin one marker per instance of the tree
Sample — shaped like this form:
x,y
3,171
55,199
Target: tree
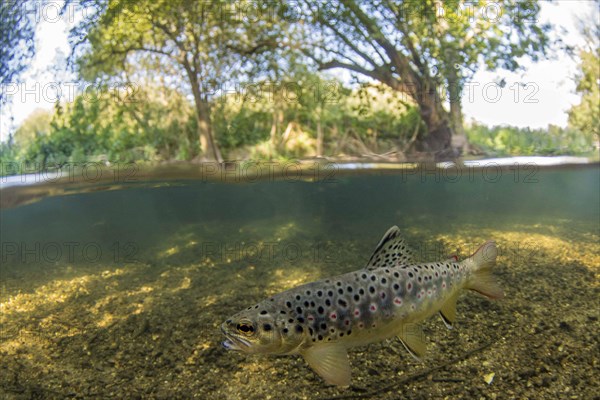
x,y
585,116
35,125
418,47
208,44
17,30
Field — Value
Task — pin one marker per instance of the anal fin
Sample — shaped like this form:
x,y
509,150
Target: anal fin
x,y
330,361
413,339
448,311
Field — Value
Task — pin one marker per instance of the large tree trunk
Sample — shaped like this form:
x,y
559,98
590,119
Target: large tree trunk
x,y
439,132
459,139
459,143
207,141
208,146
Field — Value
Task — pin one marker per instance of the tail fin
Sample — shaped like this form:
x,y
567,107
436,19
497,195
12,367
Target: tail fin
x,y
482,263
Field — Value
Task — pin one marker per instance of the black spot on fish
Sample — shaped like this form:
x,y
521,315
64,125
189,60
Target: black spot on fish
x,y
263,312
299,329
308,292
320,337
328,302
339,283
323,326
349,332
361,291
282,312
319,293
396,275
419,279
356,297
310,331
291,320
320,310
298,297
299,310
342,302
410,274
396,286
267,327
285,330
288,304
312,303
306,303
364,276
383,281
373,278
349,289
341,291
330,293
371,289
300,319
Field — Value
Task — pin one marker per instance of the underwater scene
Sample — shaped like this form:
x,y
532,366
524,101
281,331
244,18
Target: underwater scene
x,y
121,288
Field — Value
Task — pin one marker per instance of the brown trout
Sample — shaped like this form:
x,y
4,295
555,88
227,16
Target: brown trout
x,y
321,320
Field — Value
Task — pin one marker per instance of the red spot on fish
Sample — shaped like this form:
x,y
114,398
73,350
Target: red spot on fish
x,y
373,307
311,318
409,286
419,296
429,292
444,285
357,312
347,322
455,257
398,301
333,316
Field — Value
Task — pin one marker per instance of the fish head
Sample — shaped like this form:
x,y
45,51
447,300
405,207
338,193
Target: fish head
x,y
251,331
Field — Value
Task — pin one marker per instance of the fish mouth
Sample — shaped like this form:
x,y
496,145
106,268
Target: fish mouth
x,y
234,343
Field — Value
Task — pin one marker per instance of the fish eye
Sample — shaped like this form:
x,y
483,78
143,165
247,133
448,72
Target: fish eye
x,y
245,328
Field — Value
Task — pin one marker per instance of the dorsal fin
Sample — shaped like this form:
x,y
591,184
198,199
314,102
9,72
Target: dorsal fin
x,y
391,250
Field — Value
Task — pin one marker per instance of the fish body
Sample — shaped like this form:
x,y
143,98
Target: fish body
x,y
387,298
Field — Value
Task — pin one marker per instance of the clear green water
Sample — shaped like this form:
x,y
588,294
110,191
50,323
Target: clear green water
x,y
121,292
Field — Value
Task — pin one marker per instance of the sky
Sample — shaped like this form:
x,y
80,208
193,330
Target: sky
x,y
540,96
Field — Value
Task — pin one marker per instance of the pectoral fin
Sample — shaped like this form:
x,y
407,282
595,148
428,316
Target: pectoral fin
x,y
413,339
448,311
330,361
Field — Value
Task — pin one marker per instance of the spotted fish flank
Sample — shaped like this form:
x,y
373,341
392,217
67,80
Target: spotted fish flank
x,y
387,298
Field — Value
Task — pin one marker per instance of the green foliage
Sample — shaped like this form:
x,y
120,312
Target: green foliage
x,y
17,47
37,124
585,116
156,124
514,141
